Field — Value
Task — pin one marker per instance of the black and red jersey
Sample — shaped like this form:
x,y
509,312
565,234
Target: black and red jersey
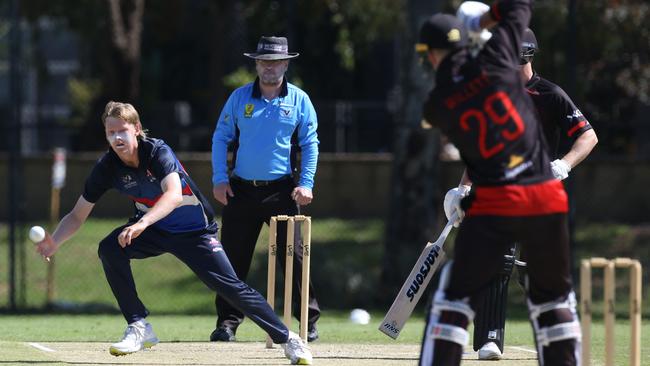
x,y
481,104
561,120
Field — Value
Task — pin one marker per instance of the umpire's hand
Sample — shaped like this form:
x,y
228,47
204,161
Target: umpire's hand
x,y
221,192
302,195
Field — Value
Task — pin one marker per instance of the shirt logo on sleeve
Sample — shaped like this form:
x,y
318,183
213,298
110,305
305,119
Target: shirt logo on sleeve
x,y
576,114
248,110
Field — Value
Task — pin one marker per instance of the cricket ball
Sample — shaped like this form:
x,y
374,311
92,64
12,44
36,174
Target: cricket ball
x,y
36,234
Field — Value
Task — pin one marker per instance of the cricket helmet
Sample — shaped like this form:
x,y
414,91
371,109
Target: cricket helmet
x,y
528,46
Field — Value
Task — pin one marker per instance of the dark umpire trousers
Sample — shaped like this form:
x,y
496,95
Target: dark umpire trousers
x,y
203,254
242,220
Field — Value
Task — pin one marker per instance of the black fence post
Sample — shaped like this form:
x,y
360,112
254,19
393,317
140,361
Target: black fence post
x,y
13,137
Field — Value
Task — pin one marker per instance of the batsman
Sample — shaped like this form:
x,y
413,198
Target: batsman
x,y
571,138
479,101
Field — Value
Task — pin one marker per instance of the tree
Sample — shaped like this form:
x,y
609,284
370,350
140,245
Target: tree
x,y
414,189
126,39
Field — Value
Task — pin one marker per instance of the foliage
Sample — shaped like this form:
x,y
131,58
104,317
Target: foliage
x,y
612,67
360,24
348,51
82,93
615,59
238,78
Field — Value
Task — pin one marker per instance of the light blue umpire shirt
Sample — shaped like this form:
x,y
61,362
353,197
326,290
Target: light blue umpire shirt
x,y
265,130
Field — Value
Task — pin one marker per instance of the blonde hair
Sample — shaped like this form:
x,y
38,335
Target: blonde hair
x,y
125,112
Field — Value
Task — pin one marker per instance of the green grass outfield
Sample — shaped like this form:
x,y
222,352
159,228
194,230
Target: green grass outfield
x,y
335,329
348,251
346,261
344,249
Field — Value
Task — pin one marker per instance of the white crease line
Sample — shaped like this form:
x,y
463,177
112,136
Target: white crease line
x,y
522,349
41,347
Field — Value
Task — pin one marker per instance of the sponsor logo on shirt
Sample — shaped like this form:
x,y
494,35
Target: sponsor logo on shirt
x,y
285,112
248,110
576,114
514,161
518,169
150,176
128,181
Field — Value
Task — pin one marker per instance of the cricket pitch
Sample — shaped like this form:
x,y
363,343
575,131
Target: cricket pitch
x,y
236,353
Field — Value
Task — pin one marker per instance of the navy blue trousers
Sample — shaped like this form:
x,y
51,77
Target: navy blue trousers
x,y
203,254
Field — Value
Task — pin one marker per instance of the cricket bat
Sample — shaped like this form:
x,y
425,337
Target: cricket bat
x,y
415,284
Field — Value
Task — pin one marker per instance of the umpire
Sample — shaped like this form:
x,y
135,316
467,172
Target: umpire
x,y
267,121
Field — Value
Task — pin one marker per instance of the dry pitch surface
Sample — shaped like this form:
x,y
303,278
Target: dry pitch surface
x,y
240,353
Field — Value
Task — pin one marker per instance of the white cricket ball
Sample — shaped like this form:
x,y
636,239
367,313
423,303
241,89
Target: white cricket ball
x,y
359,316
36,234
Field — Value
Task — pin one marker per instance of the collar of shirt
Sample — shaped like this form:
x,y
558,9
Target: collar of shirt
x,y
145,149
257,93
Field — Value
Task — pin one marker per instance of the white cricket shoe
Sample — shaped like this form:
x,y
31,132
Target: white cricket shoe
x,y
489,351
137,336
296,350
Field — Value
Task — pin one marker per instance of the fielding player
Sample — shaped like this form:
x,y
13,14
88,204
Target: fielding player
x,y
171,216
564,128
480,103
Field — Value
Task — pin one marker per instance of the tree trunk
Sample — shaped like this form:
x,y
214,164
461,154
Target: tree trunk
x,y
126,39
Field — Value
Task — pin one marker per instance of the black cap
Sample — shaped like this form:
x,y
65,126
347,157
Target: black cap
x,y
442,31
272,48
528,46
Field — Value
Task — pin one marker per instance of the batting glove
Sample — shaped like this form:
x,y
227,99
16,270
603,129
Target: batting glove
x,y
560,169
452,203
469,13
